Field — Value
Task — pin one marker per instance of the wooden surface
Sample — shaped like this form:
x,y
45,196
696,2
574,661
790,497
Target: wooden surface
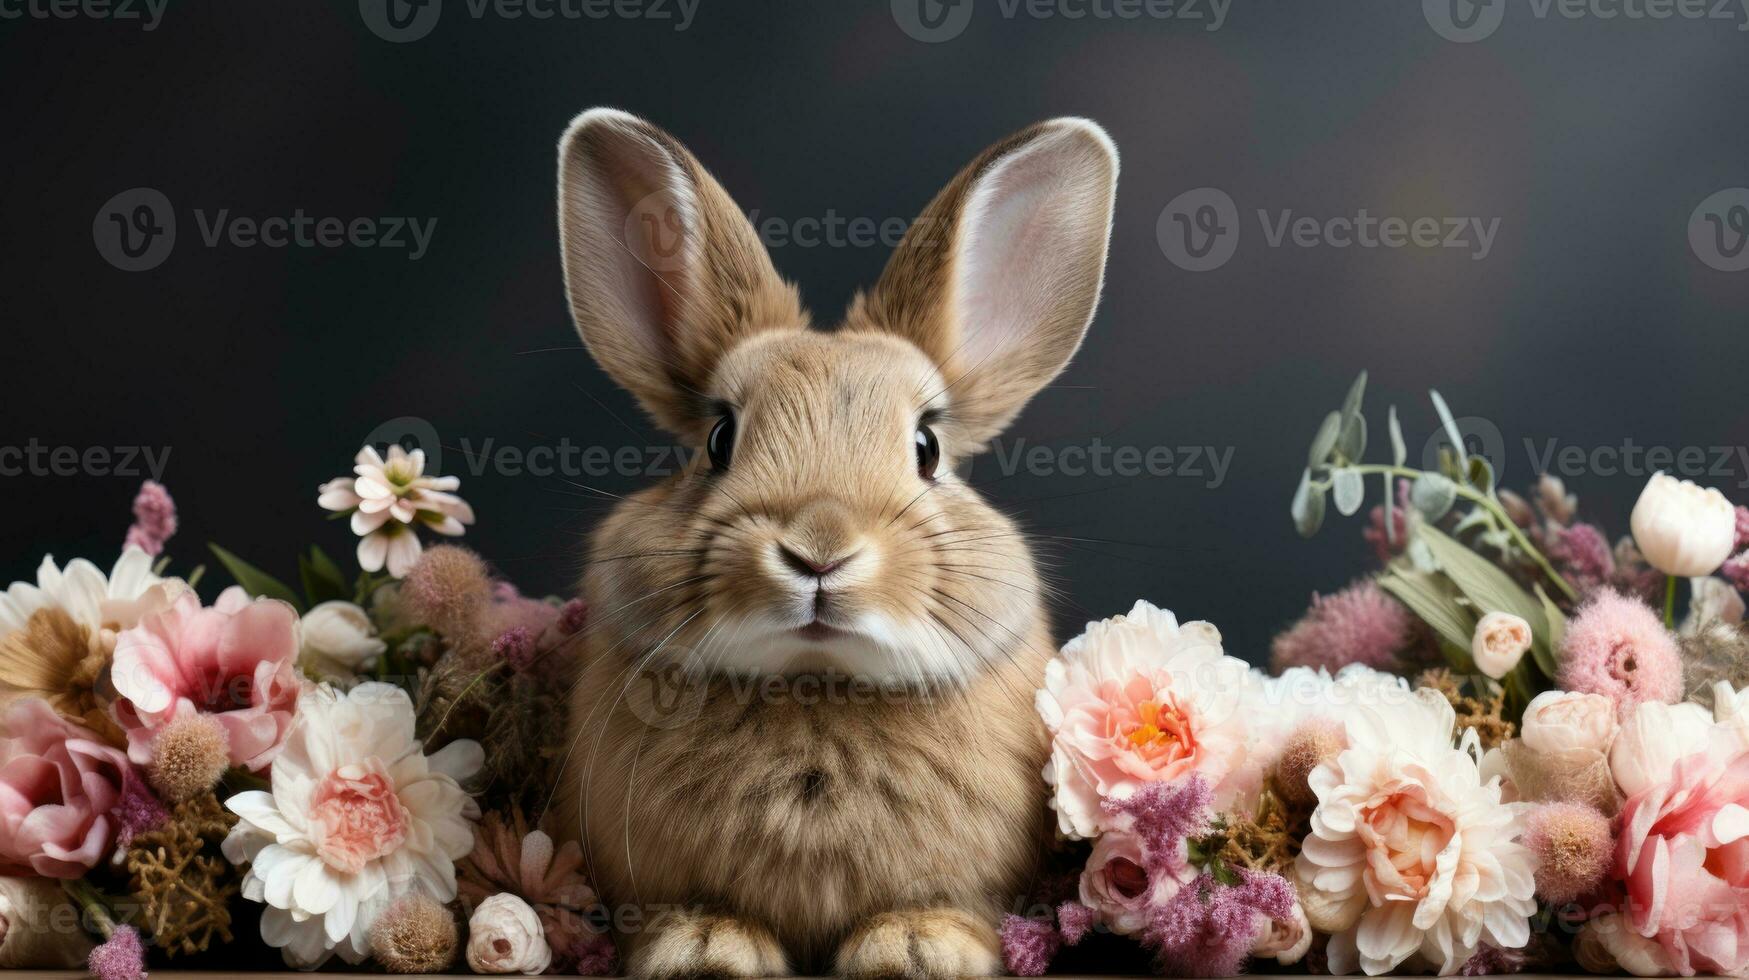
x,y
212,975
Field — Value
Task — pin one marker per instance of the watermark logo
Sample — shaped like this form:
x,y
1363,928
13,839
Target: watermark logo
x,y
400,21
410,432
1464,21
1718,230
147,13
932,21
1481,438
1199,230
135,230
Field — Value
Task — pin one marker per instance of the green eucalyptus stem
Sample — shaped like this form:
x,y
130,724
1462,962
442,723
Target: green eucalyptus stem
x,y
1493,507
1670,601
91,905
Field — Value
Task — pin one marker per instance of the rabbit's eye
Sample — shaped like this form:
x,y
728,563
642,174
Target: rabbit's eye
x,y
720,444
928,452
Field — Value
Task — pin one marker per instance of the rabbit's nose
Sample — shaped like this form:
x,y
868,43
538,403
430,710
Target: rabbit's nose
x,y
810,567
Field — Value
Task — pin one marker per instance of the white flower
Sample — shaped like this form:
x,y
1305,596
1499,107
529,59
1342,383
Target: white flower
x,y
1562,721
505,936
90,598
339,639
1499,643
1288,942
1138,699
1683,529
1654,736
357,817
1711,600
1410,853
388,499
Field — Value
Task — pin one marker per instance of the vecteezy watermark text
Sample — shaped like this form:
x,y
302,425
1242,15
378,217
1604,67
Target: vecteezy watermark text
x,y
934,21
1099,458
1199,230
37,459
1468,21
147,13
401,21
136,231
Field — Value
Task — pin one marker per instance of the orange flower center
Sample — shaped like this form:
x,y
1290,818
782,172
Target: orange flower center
x,y
1158,729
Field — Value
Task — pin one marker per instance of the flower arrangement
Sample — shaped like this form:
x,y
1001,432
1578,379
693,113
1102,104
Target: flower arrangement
x,y
305,763
1564,782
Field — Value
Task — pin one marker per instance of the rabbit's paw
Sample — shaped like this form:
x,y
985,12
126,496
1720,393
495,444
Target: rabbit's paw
x,y
922,944
692,944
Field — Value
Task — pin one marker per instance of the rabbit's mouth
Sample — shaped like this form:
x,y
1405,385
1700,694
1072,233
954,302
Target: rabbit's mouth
x,y
819,632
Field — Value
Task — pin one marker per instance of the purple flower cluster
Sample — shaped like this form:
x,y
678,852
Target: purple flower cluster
x,y
154,519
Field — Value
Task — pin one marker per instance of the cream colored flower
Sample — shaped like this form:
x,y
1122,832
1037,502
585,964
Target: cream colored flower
x,y
1562,721
1654,736
1683,529
389,497
93,600
338,640
505,936
1711,600
1410,851
1499,643
358,816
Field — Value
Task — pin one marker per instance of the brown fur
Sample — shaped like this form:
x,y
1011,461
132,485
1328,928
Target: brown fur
x,y
756,801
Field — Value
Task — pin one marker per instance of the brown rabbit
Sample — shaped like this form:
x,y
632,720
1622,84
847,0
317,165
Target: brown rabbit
x,y
803,736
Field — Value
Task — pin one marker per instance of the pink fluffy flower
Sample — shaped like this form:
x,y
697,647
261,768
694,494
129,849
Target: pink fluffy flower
x,y
1616,647
58,784
122,957
234,662
1683,856
1028,945
154,519
1359,625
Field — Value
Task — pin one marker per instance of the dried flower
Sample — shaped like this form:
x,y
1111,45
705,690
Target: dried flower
x,y
417,934
1028,945
1616,647
510,857
182,883
1581,553
448,589
1359,625
154,519
1573,849
1309,746
1683,529
515,646
1208,929
1557,504
139,812
189,757
573,616
121,957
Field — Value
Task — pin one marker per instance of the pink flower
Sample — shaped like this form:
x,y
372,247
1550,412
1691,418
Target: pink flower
x,y
122,957
58,784
1583,555
1359,625
1616,647
1684,858
1139,699
1118,886
233,662
154,519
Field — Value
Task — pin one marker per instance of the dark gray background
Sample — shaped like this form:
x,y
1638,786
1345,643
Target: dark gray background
x,y
1592,321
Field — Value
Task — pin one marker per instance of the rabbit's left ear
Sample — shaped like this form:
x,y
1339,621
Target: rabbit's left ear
x,y
998,279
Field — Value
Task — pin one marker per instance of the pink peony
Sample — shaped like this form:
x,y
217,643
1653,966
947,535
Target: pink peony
x,y
58,784
1139,699
1683,855
234,662
1359,625
1616,647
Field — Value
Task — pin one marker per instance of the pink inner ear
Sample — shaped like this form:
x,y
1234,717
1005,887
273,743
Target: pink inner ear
x,y
1028,225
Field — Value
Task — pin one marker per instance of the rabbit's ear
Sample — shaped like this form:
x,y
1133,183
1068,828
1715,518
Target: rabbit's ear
x,y
663,271
998,279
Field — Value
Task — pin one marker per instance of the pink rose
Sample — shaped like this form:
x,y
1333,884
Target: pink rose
x,y
58,784
1499,643
1115,882
1683,856
234,662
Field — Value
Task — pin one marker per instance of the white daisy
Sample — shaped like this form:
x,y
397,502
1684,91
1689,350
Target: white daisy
x,y
388,498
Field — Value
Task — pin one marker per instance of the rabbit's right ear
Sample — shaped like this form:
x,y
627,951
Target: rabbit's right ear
x,y
663,271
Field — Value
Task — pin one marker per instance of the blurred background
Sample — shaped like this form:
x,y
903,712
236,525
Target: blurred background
x,y
1579,296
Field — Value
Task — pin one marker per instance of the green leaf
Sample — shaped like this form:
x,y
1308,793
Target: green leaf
x,y
1492,590
1546,653
1432,494
1481,474
1308,506
322,579
253,580
1352,443
1399,452
1434,599
1351,404
1325,440
1450,424
1349,490
1390,509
